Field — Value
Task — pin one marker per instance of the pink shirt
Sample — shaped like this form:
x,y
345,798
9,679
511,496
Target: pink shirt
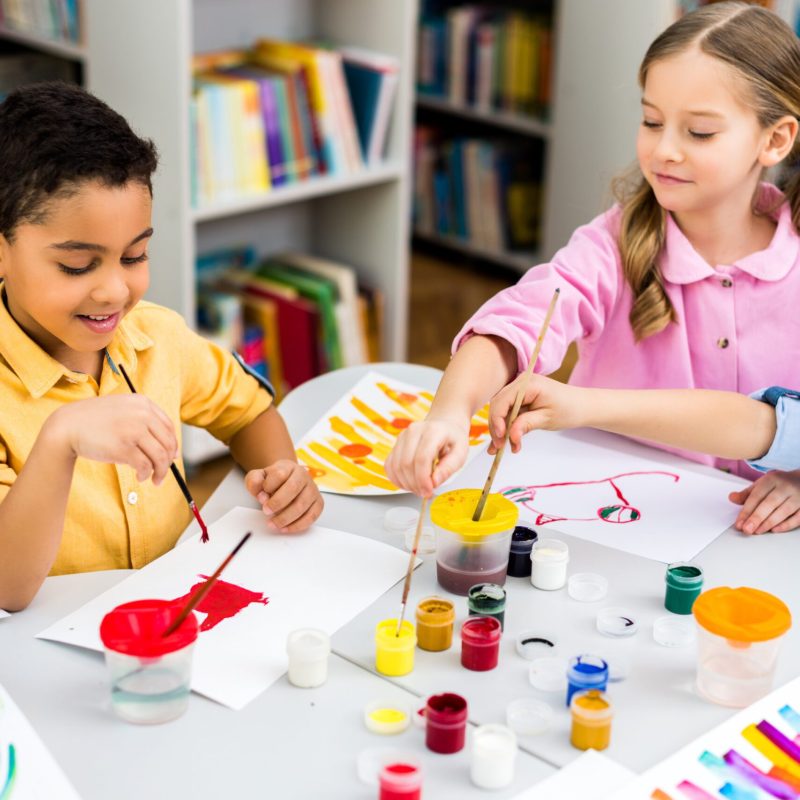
x,y
738,325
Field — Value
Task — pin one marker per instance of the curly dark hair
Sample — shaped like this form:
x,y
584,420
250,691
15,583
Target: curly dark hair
x,y
54,137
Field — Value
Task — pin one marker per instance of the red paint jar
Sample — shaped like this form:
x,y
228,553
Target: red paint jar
x,y
445,723
400,781
480,643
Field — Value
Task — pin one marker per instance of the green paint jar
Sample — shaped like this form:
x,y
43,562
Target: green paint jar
x,y
684,584
487,600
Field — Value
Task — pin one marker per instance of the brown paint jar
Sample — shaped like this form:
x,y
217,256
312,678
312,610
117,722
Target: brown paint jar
x,y
435,617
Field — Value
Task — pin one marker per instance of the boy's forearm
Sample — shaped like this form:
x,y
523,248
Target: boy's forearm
x,y
32,518
263,442
724,424
480,368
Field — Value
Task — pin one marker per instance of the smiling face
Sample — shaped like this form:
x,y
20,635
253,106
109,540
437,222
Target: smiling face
x,y
699,145
72,276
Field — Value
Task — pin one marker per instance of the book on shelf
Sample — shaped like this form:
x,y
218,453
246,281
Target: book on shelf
x,y
291,316
58,20
486,57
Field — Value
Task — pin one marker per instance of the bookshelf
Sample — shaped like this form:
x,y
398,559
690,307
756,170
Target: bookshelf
x,y
590,132
138,58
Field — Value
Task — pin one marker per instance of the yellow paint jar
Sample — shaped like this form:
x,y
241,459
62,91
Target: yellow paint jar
x,y
394,655
435,617
591,720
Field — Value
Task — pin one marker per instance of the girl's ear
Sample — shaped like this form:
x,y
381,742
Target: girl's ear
x,y
781,137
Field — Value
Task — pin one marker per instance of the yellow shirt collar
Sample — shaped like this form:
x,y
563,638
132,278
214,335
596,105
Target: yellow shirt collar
x,y
39,372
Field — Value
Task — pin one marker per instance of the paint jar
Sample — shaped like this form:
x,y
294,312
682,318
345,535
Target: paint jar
x,y
487,600
387,717
394,655
549,559
435,617
308,650
494,751
519,559
591,713
480,643
470,552
684,584
445,723
401,780
586,672
150,673
739,638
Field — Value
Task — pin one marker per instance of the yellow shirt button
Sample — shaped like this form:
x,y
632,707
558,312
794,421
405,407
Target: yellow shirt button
x,y
722,343
133,498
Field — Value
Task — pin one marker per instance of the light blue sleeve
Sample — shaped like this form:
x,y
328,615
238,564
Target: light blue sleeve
x,y
784,453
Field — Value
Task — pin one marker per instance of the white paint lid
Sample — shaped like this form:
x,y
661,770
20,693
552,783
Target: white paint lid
x,y
587,587
674,631
527,716
399,519
616,621
548,674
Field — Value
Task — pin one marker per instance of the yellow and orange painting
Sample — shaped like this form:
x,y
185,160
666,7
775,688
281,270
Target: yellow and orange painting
x,y
344,452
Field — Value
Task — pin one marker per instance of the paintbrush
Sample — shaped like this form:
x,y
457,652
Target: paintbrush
x,y
177,473
204,589
410,570
523,387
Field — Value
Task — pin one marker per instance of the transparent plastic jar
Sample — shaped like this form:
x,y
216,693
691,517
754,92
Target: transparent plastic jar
x,y
469,552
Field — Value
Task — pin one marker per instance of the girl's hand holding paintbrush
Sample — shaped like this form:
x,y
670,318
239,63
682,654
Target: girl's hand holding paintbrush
x,y
287,494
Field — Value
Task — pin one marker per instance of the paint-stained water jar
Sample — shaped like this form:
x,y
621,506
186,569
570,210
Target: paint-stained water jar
x,y
308,650
494,752
739,638
445,722
519,558
549,559
586,672
469,552
150,673
487,600
684,584
592,714
435,618
394,654
400,780
480,643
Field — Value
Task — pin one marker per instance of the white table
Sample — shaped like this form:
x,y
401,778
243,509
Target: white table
x,y
303,743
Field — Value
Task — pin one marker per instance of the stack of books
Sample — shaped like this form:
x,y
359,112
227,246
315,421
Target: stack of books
x,y
51,19
486,58
290,316
486,192
284,112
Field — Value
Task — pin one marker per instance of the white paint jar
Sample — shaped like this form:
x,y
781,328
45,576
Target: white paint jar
x,y
308,650
494,751
549,559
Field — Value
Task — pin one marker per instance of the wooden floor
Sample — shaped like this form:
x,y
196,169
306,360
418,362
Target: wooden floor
x,y
443,296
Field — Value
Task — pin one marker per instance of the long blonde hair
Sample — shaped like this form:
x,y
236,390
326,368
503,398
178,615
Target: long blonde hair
x,y
766,55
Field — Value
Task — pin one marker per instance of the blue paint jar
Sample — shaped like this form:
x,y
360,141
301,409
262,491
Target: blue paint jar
x,y
519,557
586,672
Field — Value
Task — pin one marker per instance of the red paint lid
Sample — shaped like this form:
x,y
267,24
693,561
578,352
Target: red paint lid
x,y
136,628
446,709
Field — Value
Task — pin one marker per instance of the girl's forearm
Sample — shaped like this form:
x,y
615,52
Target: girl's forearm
x,y
723,424
480,368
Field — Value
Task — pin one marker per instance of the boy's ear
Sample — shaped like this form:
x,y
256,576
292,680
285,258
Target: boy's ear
x,y
780,141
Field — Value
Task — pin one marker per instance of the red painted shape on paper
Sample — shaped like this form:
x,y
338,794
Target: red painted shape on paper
x,y
223,601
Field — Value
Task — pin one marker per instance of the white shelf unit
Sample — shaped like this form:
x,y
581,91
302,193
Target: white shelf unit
x,y
594,115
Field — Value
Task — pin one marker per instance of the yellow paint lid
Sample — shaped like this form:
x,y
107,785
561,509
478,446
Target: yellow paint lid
x,y
453,511
742,614
387,717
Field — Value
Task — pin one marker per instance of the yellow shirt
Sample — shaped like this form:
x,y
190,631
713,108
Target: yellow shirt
x,y
112,520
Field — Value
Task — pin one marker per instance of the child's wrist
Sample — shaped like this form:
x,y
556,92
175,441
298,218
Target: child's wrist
x,y
56,436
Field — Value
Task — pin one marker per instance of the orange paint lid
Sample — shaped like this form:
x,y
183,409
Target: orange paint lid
x,y
742,614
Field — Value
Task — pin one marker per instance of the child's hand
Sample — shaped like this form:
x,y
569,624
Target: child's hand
x,y
769,505
288,495
119,429
547,405
409,464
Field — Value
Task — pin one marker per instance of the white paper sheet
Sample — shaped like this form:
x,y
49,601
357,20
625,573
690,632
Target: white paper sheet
x,y
27,770
591,776
684,769
319,579
4,613
650,504
346,449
